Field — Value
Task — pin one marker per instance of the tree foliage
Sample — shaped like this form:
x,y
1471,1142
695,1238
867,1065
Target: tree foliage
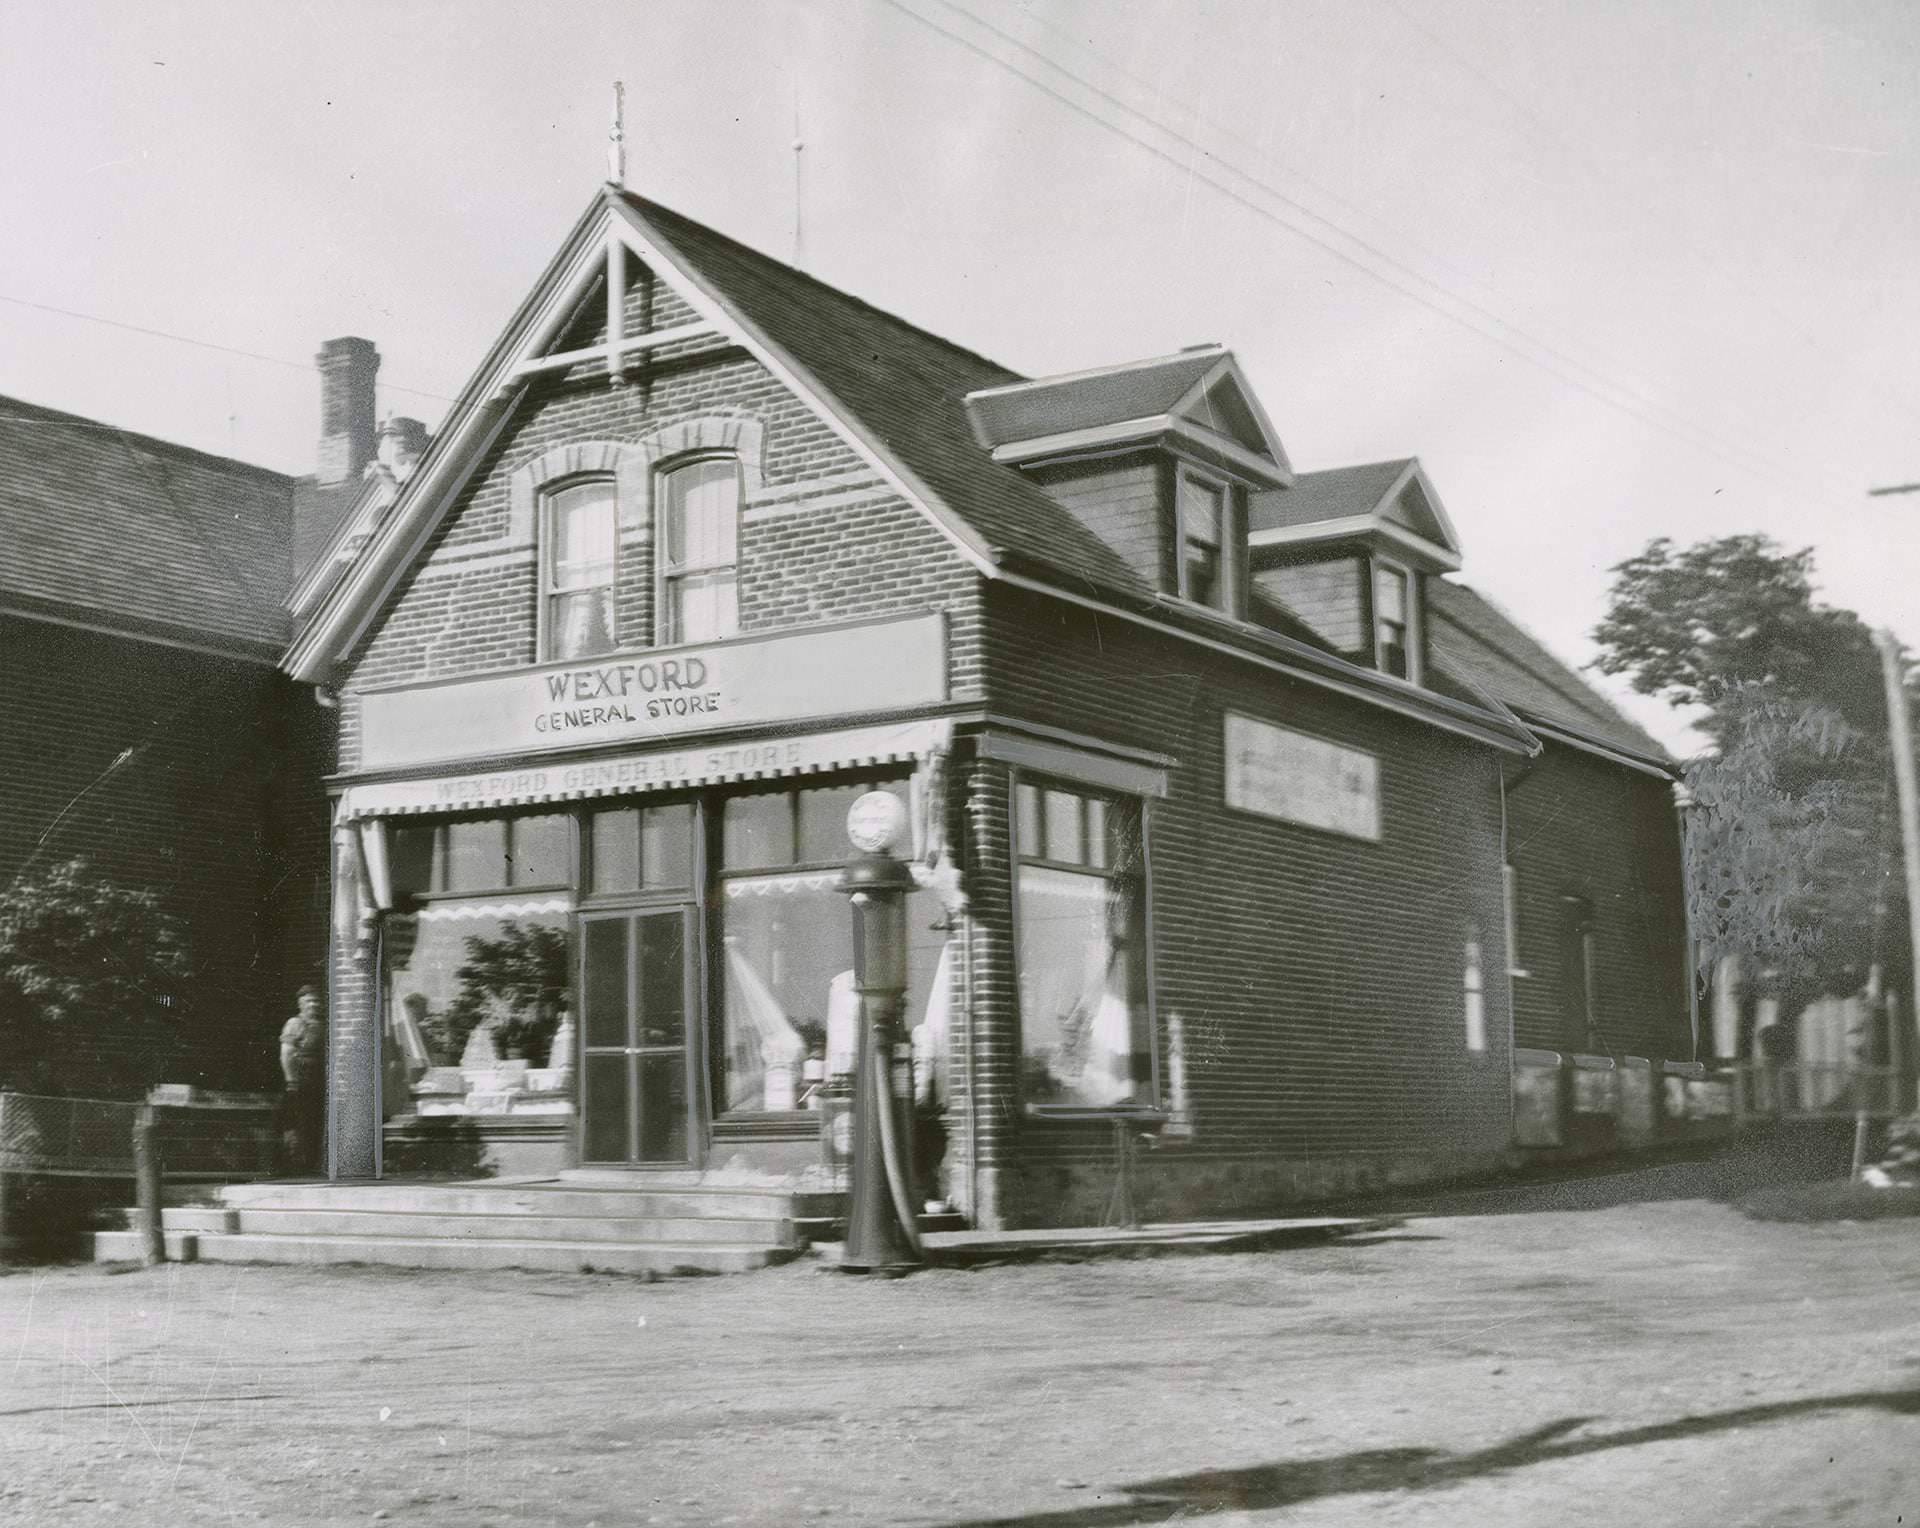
x,y
1787,838
1774,841
1709,624
92,980
516,985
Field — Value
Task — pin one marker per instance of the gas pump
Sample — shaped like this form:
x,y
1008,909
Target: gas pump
x,y
881,1233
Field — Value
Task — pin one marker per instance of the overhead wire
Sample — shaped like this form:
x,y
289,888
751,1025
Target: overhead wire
x,y
183,339
1397,274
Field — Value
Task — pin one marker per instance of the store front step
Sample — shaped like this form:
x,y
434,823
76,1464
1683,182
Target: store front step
x,y
544,1224
663,1258
549,1197
738,1230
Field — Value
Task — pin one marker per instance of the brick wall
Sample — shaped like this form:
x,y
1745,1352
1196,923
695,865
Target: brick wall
x,y
1318,977
822,537
1580,827
190,816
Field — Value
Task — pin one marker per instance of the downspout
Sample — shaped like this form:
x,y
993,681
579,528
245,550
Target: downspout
x,y
1682,801
1509,924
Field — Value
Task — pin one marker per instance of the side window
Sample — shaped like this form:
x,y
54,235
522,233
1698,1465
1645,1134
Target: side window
x,y
1203,506
697,537
1393,629
578,545
1084,1023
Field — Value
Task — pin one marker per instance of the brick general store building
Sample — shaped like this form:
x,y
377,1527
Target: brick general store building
x,y
1236,815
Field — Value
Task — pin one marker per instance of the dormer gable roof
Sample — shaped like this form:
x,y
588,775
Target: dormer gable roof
x,y
1391,502
1199,396
893,392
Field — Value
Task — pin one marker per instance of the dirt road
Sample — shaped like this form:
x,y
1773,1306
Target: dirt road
x,y
1642,1364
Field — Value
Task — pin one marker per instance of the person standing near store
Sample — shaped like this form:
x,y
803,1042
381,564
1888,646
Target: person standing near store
x,y
303,1067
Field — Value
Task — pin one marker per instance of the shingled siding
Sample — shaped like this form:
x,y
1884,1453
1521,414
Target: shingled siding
x,y
1123,501
1580,827
822,538
1318,977
1329,596
186,816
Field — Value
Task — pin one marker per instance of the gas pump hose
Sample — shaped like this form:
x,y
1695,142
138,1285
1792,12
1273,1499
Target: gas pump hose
x,y
897,1184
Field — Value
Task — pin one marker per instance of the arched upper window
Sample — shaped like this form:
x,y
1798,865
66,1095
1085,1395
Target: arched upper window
x,y
697,539
578,556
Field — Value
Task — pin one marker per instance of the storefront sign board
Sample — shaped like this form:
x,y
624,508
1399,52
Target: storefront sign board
x,y
659,694
1276,772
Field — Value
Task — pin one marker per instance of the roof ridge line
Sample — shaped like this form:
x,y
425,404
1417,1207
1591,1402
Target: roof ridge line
x,y
647,205
1212,351
1584,696
10,402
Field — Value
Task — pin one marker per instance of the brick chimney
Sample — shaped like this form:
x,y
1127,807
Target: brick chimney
x,y
347,434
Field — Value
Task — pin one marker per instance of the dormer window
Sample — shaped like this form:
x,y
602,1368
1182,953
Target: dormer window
x,y
578,544
1393,640
697,533
1202,508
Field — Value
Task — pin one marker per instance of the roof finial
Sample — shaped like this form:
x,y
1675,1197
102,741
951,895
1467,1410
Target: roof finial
x,y
617,138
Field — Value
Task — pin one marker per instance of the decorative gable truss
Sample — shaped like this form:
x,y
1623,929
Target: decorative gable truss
x,y
596,261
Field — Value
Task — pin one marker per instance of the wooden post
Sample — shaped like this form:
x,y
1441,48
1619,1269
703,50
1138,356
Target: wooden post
x,y
146,1188
1900,736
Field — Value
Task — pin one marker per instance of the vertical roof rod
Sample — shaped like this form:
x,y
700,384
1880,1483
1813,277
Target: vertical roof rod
x,y
617,138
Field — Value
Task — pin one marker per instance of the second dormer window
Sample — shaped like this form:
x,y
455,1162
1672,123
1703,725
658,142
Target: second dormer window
x,y
698,538
1393,621
1202,505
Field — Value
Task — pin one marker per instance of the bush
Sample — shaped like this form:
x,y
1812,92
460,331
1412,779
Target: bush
x,y
92,981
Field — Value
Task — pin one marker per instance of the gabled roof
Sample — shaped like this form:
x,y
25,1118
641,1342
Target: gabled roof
x,y
894,393
904,386
1392,501
1335,494
1198,397
119,530
1475,640
1079,400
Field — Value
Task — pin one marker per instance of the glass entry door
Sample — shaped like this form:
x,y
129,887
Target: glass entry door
x,y
636,985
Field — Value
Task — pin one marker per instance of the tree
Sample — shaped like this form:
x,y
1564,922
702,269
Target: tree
x,y
92,981
1707,625
1786,861
516,985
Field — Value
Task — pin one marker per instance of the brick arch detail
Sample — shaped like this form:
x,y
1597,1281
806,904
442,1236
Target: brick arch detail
x,y
630,464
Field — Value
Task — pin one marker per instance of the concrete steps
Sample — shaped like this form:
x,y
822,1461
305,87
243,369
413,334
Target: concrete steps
x,y
548,1225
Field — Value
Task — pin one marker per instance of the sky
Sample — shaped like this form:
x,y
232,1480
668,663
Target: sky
x,y
1613,269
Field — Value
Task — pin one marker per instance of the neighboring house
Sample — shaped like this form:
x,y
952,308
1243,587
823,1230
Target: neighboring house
x,y
145,724
1242,796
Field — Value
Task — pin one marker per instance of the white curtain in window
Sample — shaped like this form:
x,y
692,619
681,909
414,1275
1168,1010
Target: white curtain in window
x,y
760,1075
1076,1009
580,570
700,546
